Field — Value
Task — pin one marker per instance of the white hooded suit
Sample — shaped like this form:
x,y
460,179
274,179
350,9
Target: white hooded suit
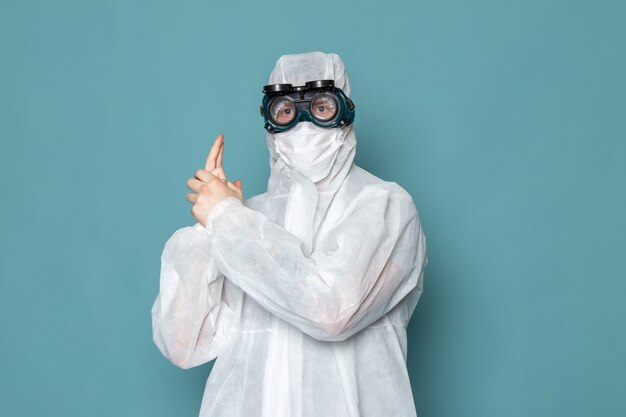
x,y
302,293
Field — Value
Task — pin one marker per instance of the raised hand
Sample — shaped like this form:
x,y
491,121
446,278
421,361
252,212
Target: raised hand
x,y
213,163
210,184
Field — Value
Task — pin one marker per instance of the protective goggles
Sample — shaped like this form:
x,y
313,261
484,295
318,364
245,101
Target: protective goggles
x,y
318,102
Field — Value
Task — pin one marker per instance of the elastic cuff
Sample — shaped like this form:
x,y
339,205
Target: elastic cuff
x,y
225,204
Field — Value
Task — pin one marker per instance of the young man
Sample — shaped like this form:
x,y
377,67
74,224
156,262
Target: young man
x,y
302,293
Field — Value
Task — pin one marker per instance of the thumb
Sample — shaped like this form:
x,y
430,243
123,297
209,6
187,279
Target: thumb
x,y
234,187
238,183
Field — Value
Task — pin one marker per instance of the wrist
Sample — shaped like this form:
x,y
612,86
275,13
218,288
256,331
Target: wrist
x,y
224,205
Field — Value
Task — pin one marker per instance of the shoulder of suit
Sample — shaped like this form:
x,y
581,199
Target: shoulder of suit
x,y
362,179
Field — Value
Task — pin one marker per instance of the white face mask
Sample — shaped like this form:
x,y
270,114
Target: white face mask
x,y
310,148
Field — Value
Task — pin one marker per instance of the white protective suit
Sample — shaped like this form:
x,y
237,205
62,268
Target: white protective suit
x,y
302,293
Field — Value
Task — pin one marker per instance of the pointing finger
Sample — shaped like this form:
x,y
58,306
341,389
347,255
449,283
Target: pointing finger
x,y
220,155
219,173
211,160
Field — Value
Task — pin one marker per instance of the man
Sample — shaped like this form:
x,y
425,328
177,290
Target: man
x,y
302,293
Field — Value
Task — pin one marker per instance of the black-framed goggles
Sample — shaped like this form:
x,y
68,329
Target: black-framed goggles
x,y
319,102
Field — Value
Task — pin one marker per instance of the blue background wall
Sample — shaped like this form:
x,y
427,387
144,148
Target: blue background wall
x,y
504,119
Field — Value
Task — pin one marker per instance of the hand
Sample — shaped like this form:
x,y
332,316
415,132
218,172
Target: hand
x,y
210,184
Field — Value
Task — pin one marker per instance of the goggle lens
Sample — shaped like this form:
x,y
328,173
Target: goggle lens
x,y
324,107
282,110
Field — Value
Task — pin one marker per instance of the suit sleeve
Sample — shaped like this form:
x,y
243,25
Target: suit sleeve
x,y
190,319
360,270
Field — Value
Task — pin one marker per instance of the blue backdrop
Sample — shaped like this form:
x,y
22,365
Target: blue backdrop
x,y
505,120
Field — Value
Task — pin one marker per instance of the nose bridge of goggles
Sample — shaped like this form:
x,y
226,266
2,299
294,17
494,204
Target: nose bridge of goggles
x,y
302,105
